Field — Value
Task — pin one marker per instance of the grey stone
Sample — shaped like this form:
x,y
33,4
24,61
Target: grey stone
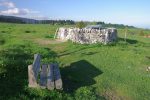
x,y
87,36
50,77
43,76
31,77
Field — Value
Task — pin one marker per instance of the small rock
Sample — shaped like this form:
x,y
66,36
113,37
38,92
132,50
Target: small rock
x,y
148,69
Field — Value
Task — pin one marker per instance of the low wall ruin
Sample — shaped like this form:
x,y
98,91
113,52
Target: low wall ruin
x,y
87,36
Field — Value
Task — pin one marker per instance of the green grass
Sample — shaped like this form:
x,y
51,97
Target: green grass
x,y
89,72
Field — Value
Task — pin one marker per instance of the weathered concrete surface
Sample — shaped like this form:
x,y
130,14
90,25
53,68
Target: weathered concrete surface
x,y
43,76
87,36
31,77
50,78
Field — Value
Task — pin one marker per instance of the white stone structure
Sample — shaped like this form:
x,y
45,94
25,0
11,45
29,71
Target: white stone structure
x,y
87,35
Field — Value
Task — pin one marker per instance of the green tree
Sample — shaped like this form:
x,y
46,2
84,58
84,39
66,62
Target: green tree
x,y
141,33
80,24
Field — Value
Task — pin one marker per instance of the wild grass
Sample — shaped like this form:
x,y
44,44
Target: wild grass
x,y
89,72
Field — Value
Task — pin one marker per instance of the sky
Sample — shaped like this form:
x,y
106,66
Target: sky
x,y
128,12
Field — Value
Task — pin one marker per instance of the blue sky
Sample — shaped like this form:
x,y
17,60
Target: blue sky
x,y
130,12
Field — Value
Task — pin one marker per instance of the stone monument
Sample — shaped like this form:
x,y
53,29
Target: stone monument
x,y
87,35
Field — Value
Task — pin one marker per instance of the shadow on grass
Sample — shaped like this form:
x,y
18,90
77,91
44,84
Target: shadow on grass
x,y
14,69
2,40
80,47
89,53
84,53
79,74
14,77
128,41
71,52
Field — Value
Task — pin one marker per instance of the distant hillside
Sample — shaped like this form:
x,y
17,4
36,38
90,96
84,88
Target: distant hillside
x,y
13,19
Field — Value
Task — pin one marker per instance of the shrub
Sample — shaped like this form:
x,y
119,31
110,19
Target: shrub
x,y
141,33
27,31
50,36
80,24
3,31
2,41
85,93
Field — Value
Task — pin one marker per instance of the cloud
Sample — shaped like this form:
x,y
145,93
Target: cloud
x,y
17,11
7,4
12,9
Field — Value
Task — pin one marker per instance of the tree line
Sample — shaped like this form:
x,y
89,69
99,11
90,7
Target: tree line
x,y
109,24
13,19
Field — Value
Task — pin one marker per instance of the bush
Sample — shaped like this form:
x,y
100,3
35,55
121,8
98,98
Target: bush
x,y
50,36
27,31
2,41
3,31
141,33
80,24
85,93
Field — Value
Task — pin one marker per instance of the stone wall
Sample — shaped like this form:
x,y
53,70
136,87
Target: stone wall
x,y
87,36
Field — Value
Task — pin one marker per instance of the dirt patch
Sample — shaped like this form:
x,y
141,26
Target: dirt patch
x,y
46,41
112,95
147,36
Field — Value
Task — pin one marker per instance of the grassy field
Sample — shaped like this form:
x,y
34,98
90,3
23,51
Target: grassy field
x,y
89,72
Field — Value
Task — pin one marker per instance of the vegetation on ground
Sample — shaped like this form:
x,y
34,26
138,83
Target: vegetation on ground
x,y
89,72
80,24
